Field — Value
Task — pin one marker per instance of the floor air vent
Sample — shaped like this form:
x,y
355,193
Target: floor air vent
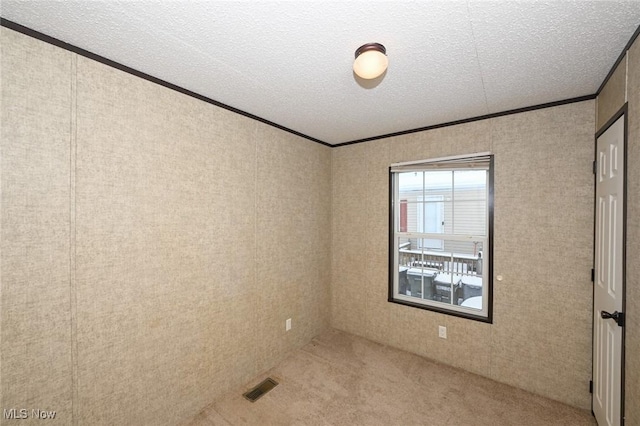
x,y
254,394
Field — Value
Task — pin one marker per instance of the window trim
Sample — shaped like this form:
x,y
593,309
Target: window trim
x,y
487,254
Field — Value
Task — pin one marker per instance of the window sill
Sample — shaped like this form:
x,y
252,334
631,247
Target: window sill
x,y
470,316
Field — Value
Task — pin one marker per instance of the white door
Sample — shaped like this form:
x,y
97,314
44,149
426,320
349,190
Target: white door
x,y
608,280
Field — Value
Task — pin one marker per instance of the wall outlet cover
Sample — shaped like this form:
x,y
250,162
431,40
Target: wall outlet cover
x,y
442,332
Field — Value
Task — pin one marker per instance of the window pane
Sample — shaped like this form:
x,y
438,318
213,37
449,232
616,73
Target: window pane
x,y
414,212
431,220
433,258
438,183
403,216
446,286
469,210
470,295
410,185
467,263
469,217
470,184
451,276
420,282
405,254
463,257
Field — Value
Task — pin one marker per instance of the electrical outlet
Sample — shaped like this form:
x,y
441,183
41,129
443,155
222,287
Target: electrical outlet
x,y
287,325
442,332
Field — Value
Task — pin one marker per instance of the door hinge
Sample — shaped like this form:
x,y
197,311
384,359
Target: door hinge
x,y
590,386
593,275
595,167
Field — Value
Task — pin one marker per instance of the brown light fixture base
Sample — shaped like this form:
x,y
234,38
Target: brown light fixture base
x,y
371,46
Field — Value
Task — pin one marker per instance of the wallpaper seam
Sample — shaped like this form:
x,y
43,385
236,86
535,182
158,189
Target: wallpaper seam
x,y
256,310
72,236
364,331
332,293
2,53
475,48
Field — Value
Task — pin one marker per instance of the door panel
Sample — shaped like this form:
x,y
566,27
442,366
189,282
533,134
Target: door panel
x,y
608,286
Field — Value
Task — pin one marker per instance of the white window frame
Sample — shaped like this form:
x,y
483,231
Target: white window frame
x,y
465,162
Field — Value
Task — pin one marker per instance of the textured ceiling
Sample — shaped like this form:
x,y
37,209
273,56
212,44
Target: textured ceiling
x,y
290,62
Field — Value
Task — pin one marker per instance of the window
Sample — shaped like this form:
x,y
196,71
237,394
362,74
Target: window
x,y
441,224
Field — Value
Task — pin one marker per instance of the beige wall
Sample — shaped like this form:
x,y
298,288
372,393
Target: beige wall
x,y
612,96
36,355
624,86
152,245
541,336
632,374
147,267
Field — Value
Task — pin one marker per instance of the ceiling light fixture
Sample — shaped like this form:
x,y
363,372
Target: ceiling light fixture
x,y
371,61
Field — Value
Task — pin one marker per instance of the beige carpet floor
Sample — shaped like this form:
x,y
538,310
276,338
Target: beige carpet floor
x,y
341,379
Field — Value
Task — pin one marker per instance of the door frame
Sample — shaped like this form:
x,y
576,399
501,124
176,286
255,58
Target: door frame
x,y
622,112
